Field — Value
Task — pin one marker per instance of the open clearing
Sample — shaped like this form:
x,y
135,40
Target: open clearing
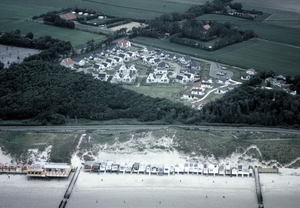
x,y
129,26
12,54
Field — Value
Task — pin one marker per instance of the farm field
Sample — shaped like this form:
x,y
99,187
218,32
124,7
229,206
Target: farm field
x,y
258,54
265,31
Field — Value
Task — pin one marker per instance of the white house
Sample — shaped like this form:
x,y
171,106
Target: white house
x,y
124,43
182,79
151,78
102,76
67,62
197,105
163,79
251,71
132,69
161,71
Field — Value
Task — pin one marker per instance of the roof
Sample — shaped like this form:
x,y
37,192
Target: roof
x,y
68,16
206,27
180,77
123,42
68,61
197,85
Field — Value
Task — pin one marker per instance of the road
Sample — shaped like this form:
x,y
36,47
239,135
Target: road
x,y
144,127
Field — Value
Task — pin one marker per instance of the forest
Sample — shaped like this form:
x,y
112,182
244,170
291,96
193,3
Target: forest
x,y
249,104
50,93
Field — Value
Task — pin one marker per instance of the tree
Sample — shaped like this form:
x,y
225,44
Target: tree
x,y
29,35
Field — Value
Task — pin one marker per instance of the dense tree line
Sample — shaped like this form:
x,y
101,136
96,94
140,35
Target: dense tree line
x,y
52,48
54,19
52,93
250,105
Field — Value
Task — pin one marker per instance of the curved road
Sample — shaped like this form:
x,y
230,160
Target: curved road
x,y
145,127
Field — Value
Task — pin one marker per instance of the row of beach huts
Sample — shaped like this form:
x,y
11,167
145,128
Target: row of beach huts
x,y
154,169
37,169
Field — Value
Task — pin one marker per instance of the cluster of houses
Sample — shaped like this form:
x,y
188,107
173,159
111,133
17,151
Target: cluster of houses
x,y
160,169
280,81
38,169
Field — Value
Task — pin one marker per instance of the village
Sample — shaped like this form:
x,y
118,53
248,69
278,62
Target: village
x,y
128,63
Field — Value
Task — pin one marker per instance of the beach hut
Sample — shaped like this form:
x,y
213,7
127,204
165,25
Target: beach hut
x,y
135,167
12,167
103,166
96,167
5,168
88,166
221,170
25,167
115,167
234,171
19,167
1,166
142,168
227,170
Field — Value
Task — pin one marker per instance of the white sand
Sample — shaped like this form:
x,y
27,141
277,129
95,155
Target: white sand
x,y
281,190
17,191
4,158
111,190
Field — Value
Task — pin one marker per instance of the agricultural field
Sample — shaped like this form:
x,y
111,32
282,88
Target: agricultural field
x,y
258,54
264,31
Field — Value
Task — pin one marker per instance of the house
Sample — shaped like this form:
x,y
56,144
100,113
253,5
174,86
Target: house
x,y
197,92
124,43
151,78
188,96
117,77
68,16
229,10
193,65
185,59
148,60
251,71
156,61
189,76
206,83
163,79
124,56
206,27
128,78
222,90
232,86
245,77
67,62
122,69
132,69
222,80
197,105
119,60
132,54
149,49
112,61
181,79
102,76
106,65
197,85
161,71
162,65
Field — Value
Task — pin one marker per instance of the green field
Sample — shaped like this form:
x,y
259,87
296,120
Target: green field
x,y
263,30
258,54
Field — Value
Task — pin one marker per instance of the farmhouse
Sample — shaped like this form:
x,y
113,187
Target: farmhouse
x,y
67,62
206,27
68,16
124,43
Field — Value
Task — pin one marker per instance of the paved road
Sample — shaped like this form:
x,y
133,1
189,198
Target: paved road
x,y
144,127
